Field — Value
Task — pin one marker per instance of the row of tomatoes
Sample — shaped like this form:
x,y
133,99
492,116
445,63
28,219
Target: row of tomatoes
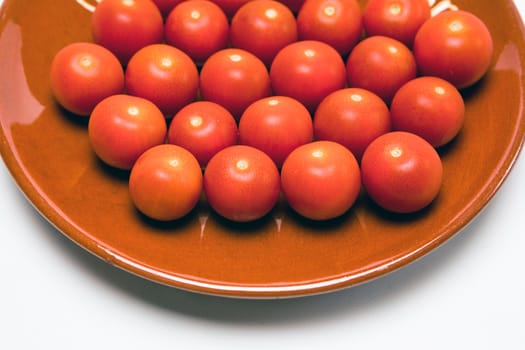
x,y
251,128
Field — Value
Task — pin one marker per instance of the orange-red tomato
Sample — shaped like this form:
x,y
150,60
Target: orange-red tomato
x,y
276,125
125,26
197,27
83,74
353,117
166,182
164,75
122,127
203,128
401,172
429,107
321,180
241,183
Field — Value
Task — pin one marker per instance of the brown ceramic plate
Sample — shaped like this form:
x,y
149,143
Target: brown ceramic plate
x,y
48,153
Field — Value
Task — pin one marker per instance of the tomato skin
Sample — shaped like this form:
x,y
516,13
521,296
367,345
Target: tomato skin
x,y
164,75
122,127
234,78
321,180
353,117
241,183
276,125
429,107
83,74
381,65
308,71
165,183
125,26
397,19
456,46
197,27
263,28
401,172
336,22
165,6
203,128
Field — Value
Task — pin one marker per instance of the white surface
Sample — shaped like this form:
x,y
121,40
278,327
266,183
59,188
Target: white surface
x,y
467,294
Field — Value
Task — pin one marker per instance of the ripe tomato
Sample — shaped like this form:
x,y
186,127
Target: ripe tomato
x,y
125,26
381,65
454,45
241,183
234,78
401,172
276,125
397,19
165,6
321,180
429,107
263,28
335,22
122,127
352,117
308,71
197,27
230,6
83,74
165,183
203,128
164,75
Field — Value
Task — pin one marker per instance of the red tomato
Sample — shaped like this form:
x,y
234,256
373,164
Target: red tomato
x,y
321,180
397,19
352,117
429,107
263,28
230,6
197,27
454,45
125,26
165,6
381,65
203,128
83,74
122,127
241,183
234,78
166,182
276,125
307,71
401,172
164,75
335,22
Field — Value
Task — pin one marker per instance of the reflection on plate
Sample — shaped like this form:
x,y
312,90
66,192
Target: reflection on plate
x,y
48,153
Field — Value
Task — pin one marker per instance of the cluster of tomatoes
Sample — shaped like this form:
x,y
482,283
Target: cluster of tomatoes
x,y
247,100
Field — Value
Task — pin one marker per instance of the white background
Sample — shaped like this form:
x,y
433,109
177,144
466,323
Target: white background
x,y
470,294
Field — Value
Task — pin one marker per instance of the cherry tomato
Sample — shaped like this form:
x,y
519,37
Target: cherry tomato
x,y
234,78
203,128
308,71
335,22
125,26
397,19
83,74
164,75
166,182
122,127
381,65
352,117
263,28
230,6
429,107
454,45
321,180
197,27
165,6
401,172
241,183
276,125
